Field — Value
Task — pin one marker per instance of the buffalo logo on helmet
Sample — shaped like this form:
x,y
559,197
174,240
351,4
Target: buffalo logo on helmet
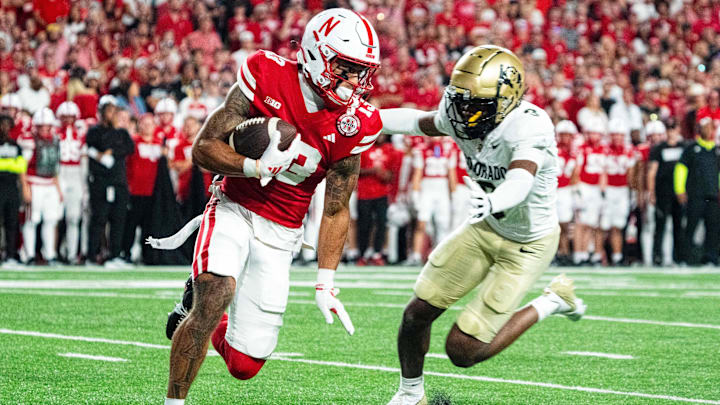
x,y
348,124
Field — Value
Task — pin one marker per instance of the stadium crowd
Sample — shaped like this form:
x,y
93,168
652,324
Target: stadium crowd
x,y
630,84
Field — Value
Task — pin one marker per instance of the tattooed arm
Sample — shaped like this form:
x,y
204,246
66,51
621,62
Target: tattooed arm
x,y
341,181
211,150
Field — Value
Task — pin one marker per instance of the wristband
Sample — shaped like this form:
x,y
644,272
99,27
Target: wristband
x,y
251,168
325,279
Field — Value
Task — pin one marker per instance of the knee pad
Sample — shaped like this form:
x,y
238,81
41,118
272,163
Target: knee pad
x,y
242,366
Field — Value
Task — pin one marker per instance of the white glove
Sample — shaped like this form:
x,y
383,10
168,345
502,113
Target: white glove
x,y
480,204
273,161
325,299
107,160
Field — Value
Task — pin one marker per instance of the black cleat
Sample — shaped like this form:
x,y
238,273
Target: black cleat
x,y
181,310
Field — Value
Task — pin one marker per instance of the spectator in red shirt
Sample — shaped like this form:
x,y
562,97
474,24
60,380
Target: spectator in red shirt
x,y
192,200
373,189
175,20
205,39
49,11
142,168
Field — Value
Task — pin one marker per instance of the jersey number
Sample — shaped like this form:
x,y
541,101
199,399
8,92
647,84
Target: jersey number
x,y
304,165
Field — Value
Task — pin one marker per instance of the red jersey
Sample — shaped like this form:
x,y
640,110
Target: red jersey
x,y
460,163
371,186
592,163
568,162
183,152
619,160
72,145
142,166
435,158
643,151
273,85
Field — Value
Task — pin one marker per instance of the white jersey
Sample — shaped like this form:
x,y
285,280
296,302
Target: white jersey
x,y
527,127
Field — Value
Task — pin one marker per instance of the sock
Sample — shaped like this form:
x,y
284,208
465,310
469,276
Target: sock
x,y
173,401
413,386
544,306
596,257
579,257
240,365
616,257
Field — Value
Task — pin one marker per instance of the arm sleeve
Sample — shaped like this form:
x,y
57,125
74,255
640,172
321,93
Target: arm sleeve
x,y
680,175
403,120
512,191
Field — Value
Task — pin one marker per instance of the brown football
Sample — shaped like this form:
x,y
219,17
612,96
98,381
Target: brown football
x,y
252,136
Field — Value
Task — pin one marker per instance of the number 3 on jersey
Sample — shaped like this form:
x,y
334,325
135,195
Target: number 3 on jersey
x,y
304,165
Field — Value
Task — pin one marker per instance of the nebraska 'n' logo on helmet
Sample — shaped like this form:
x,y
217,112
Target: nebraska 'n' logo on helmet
x,y
348,125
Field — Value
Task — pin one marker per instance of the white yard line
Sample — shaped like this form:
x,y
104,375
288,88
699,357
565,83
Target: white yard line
x,y
437,356
506,381
288,357
649,322
605,355
359,304
91,357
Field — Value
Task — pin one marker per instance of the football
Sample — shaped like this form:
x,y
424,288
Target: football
x,y
252,136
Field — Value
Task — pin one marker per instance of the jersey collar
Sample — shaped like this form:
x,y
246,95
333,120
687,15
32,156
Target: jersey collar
x,y
705,144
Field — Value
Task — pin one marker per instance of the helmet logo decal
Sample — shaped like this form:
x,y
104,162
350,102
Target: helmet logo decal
x,y
329,26
348,124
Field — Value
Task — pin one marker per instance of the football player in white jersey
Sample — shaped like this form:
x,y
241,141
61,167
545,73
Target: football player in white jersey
x,y
512,234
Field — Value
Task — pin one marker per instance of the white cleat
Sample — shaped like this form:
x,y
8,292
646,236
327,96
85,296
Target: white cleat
x,y
562,291
404,398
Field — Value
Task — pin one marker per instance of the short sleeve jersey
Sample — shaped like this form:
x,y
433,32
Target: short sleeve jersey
x,y
274,87
618,162
592,163
567,160
72,146
434,158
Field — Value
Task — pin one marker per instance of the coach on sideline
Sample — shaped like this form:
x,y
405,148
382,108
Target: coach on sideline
x,y
108,146
12,169
696,187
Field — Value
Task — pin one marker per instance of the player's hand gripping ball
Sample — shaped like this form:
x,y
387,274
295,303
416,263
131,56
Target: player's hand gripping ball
x,y
268,143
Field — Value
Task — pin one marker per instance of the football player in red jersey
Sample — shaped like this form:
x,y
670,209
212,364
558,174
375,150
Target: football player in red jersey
x,y
593,179
250,232
432,182
73,174
567,178
619,167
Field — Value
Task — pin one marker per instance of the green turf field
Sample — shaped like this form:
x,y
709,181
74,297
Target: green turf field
x,y
657,330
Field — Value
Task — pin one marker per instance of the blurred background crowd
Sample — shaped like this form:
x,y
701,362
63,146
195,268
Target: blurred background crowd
x,y
631,84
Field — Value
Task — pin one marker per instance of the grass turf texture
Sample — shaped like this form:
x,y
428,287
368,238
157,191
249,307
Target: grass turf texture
x,y
669,360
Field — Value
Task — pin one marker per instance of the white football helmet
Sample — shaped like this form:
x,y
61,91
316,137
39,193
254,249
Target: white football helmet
x,y
618,126
43,116
655,127
166,105
68,109
566,127
342,35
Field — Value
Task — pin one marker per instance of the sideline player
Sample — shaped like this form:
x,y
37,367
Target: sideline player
x,y
593,180
567,179
619,166
433,180
73,174
249,232
513,232
46,197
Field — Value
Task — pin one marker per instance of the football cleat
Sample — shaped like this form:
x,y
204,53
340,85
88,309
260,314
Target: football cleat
x,y
181,309
404,398
562,291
